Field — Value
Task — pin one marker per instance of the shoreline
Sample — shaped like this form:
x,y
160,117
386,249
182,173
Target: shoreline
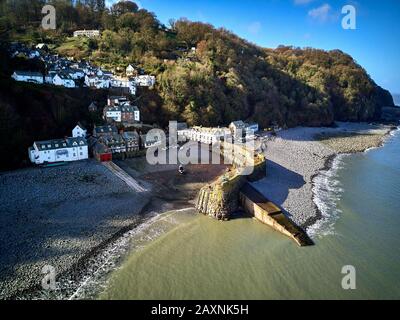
x,y
87,267
297,157
59,217
329,166
75,280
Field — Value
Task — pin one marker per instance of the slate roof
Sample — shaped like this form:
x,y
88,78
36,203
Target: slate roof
x,y
60,143
28,74
123,108
105,129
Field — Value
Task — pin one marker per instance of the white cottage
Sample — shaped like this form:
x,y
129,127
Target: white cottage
x,y
79,131
76,74
87,33
130,71
26,76
63,80
116,82
98,82
145,81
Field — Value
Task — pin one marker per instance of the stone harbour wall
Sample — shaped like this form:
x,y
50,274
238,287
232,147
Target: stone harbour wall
x,y
221,198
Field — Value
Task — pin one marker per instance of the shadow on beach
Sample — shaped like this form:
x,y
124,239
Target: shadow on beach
x,y
278,183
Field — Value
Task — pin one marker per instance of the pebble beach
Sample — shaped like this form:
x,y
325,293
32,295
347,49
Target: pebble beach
x,y
296,156
57,217
63,216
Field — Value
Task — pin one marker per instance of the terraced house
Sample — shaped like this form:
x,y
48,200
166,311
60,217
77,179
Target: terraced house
x,y
119,145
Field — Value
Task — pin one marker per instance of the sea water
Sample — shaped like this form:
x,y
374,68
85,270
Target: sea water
x,y
199,258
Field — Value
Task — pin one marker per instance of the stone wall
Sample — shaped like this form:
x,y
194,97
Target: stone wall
x,y
221,198
268,213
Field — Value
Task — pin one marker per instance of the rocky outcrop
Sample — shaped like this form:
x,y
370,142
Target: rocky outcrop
x,y
221,198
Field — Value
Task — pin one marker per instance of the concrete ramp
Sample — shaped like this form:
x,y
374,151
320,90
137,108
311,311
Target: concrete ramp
x,y
255,204
132,183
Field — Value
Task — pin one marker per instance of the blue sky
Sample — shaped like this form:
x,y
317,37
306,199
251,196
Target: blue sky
x,y
375,44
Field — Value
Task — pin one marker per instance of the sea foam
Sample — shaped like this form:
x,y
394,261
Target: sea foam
x,y
327,191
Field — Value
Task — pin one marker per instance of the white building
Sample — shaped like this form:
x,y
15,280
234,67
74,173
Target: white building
x,y
41,46
251,129
76,74
59,150
49,77
87,33
116,100
113,114
125,113
145,81
124,83
25,76
130,71
98,82
33,54
204,135
119,82
79,131
63,80
150,140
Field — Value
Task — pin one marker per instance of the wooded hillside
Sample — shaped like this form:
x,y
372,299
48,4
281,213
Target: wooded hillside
x,y
225,78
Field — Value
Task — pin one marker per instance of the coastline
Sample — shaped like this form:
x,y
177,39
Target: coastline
x,y
328,189
59,217
90,216
76,282
299,157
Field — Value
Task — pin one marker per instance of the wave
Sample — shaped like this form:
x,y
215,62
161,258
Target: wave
x,y
93,278
327,190
97,275
395,132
